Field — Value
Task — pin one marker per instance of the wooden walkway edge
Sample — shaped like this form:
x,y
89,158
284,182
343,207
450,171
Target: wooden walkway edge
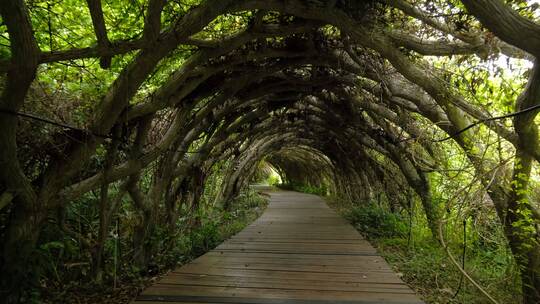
x,y
299,251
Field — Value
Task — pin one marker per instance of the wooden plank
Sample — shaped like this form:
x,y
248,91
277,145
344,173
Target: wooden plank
x,y
370,262
301,268
238,300
299,251
268,293
285,284
298,268
343,277
306,282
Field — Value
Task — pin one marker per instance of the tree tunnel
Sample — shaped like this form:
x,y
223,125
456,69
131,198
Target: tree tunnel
x,y
147,112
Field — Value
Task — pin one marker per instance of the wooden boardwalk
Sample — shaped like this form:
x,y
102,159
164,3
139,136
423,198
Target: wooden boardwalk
x,y
299,251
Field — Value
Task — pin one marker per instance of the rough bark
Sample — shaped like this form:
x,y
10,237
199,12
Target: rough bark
x,y
521,226
26,216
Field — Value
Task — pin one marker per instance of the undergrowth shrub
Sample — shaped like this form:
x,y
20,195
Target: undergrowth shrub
x,y
204,238
273,180
377,222
424,264
322,190
64,270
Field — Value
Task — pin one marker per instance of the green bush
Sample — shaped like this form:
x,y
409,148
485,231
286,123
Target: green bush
x,y
273,180
313,190
322,190
376,222
205,238
64,265
425,266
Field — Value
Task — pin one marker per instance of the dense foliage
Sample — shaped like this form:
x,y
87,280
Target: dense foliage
x,y
128,129
405,242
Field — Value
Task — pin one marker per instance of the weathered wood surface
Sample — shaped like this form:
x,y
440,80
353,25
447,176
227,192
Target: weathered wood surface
x,y
299,251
